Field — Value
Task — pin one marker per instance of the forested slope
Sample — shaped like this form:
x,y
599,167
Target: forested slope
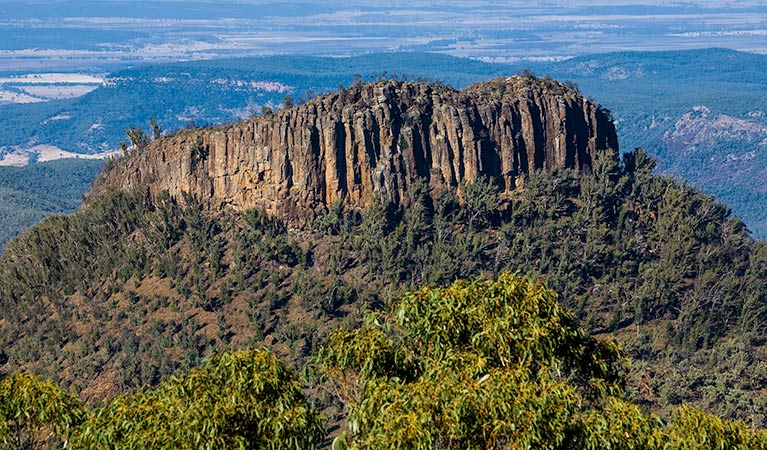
x,y
31,193
479,364
131,289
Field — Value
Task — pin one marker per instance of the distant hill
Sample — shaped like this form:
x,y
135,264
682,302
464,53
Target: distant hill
x,y
31,193
212,92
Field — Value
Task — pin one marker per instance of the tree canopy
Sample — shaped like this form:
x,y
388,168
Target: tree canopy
x,y
35,412
497,364
237,400
476,365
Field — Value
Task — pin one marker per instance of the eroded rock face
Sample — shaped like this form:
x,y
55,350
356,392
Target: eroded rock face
x,y
373,141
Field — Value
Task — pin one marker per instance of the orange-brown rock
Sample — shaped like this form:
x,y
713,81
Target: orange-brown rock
x,y
373,141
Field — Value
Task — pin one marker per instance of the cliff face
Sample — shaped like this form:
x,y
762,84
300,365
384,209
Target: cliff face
x,y
373,141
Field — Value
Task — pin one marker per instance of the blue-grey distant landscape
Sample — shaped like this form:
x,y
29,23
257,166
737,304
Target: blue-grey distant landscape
x,y
99,36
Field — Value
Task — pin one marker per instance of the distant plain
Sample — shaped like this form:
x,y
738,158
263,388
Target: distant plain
x,y
99,37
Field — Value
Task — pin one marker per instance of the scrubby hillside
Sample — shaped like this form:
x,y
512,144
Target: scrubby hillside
x,y
141,283
480,364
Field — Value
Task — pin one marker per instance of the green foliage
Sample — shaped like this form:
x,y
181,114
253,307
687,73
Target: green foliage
x,y
139,287
620,425
245,399
156,129
36,413
623,425
480,200
475,365
63,251
481,364
137,137
693,429
498,364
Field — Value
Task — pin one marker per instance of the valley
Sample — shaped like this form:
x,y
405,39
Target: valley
x,y
77,35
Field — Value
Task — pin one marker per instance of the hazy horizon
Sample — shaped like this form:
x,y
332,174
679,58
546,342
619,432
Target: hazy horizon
x,y
100,36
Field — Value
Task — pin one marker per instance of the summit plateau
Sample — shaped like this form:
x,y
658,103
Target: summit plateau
x,y
373,141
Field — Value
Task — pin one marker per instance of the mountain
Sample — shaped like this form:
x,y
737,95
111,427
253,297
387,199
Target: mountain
x,y
177,256
196,93
179,229
374,142
653,96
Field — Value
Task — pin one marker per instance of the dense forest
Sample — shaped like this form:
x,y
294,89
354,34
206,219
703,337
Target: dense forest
x,y
29,194
132,289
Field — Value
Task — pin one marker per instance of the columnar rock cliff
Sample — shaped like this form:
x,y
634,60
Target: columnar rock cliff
x,y
373,141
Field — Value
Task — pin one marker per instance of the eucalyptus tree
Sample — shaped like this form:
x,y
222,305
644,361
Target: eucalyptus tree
x,y
36,413
238,400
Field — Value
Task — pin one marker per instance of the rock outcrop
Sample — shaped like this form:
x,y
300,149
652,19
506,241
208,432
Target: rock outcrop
x,y
373,141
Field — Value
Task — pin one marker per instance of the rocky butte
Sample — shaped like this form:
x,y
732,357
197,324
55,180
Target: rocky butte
x,y
372,141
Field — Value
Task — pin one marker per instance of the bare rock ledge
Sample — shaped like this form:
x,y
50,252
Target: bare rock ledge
x,y
371,142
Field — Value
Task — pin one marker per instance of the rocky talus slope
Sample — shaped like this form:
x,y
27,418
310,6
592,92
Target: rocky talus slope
x,y
373,141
